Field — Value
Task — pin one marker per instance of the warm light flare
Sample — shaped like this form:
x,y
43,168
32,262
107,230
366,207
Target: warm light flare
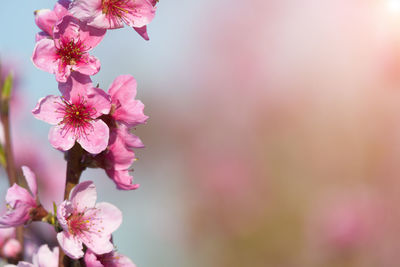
x,y
393,6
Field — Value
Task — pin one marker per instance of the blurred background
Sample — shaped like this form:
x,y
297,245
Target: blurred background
x,y
273,138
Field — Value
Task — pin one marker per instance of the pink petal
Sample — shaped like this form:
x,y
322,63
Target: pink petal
x,y
90,65
68,28
99,244
143,13
122,179
100,100
91,36
45,56
96,138
41,35
122,260
76,86
45,19
111,217
123,88
91,259
46,109
131,113
73,29
142,31
86,10
123,93
72,246
83,195
118,155
11,248
101,21
30,179
63,72
16,194
45,257
23,264
61,139
130,140
18,216
61,8
64,210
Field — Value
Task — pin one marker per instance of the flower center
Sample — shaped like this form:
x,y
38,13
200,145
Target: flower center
x,y
70,51
77,116
77,224
116,8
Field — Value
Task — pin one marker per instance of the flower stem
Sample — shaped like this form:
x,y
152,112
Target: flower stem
x,y
75,167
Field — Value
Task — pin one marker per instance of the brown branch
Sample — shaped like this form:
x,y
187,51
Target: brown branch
x,y
75,167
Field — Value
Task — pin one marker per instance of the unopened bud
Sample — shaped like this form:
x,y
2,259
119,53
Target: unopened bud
x,y
11,248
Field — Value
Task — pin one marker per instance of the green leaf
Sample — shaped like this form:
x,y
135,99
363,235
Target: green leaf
x,y
7,87
6,93
3,161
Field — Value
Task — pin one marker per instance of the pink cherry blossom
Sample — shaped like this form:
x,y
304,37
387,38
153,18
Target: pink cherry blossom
x,y
20,201
75,118
112,14
126,112
46,19
111,259
11,248
43,258
120,156
125,108
85,222
142,31
68,51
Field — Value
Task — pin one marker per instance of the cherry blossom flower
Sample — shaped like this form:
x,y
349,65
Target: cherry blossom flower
x,y
75,117
47,19
112,14
68,51
126,112
11,248
85,222
125,108
20,201
142,31
120,156
111,259
43,258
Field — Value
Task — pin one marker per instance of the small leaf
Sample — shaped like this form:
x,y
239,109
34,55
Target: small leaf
x,y
55,208
7,87
3,161
6,93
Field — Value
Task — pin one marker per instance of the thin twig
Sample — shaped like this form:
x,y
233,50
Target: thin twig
x,y
10,168
75,167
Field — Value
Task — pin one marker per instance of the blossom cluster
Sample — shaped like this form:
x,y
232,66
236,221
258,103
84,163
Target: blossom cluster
x,y
82,115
